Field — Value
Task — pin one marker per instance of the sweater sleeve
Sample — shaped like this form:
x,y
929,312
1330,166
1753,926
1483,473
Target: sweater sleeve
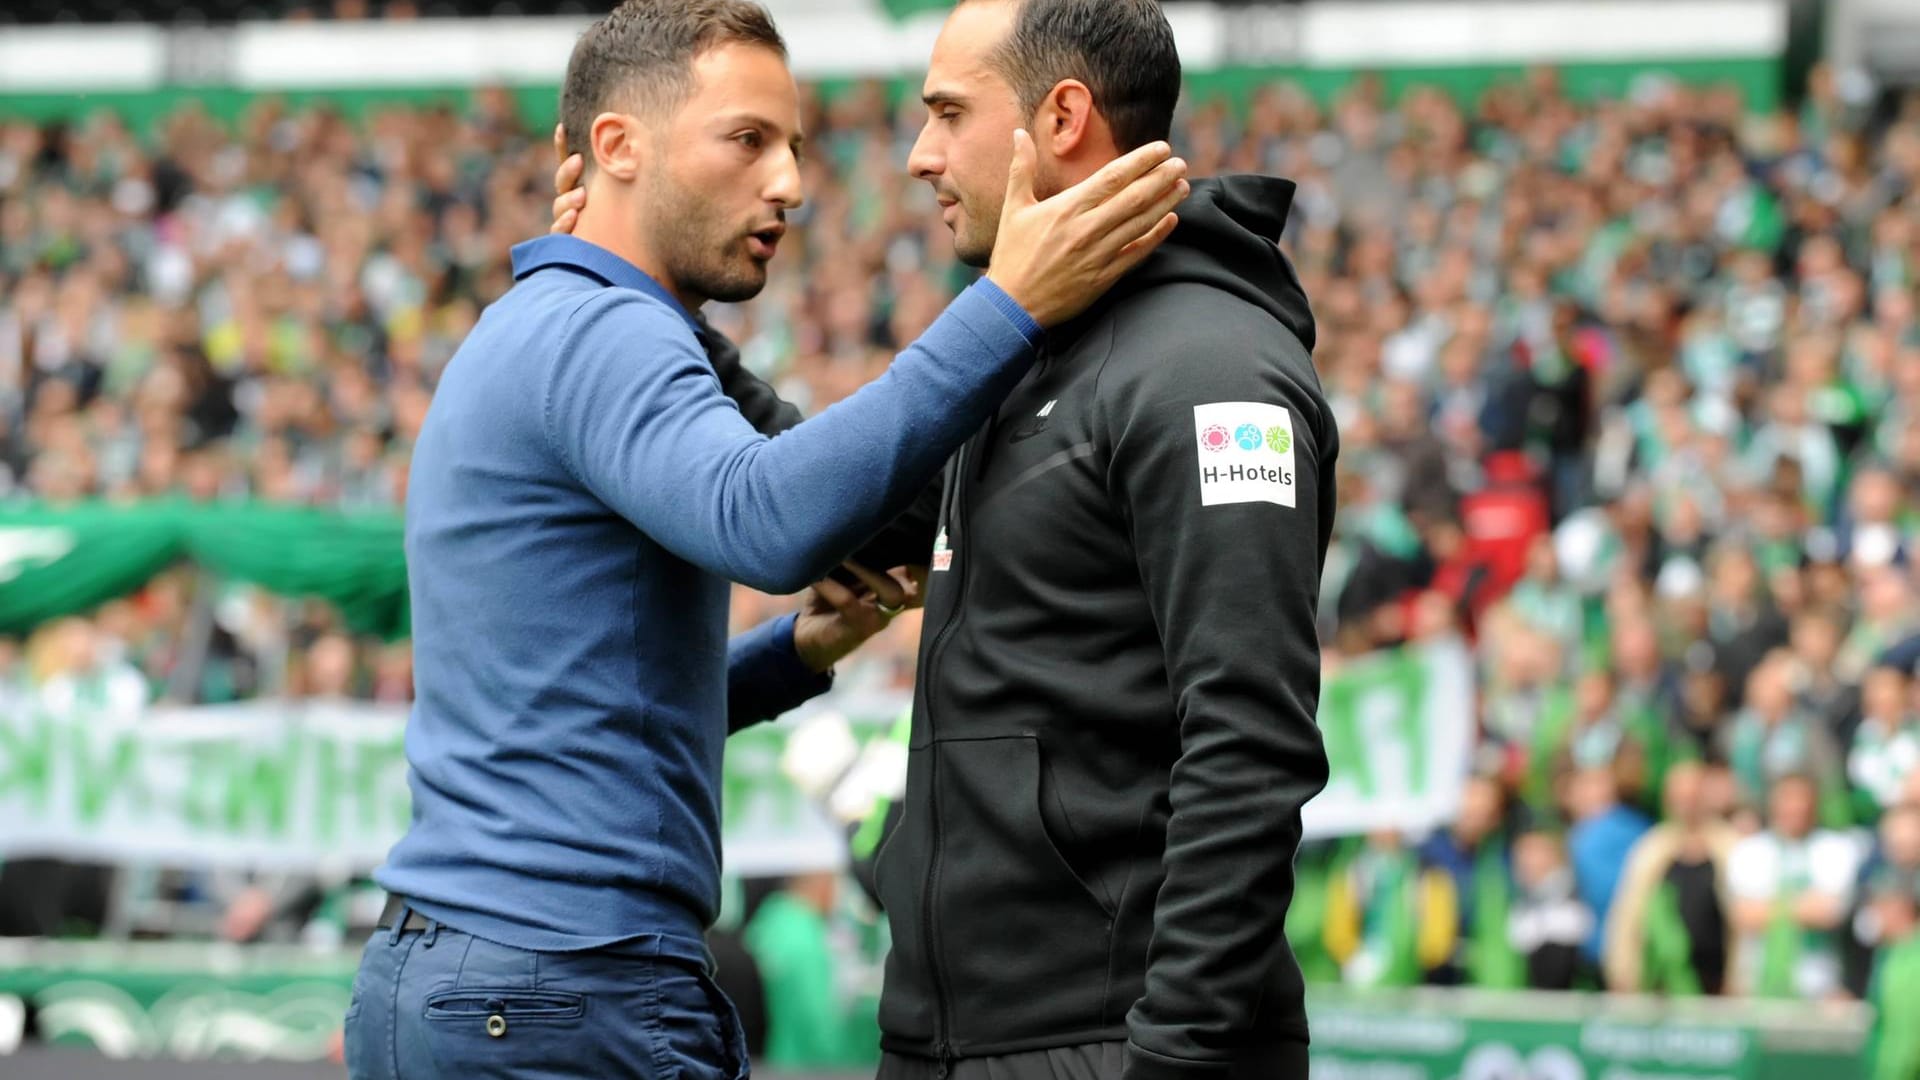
x,y
1218,459
905,541
655,439
765,675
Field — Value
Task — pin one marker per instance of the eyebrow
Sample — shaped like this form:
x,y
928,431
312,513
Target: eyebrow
x,y
936,98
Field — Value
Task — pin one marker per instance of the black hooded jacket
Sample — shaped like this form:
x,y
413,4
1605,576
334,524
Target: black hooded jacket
x,y
1113,729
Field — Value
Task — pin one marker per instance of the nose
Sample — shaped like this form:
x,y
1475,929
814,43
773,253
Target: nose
x,y
925,161
786,190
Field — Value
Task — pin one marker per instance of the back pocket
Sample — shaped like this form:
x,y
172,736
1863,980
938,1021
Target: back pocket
x,y
493,1008
480,1032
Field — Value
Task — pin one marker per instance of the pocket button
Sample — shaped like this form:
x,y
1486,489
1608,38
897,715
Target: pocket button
x,y
496,1025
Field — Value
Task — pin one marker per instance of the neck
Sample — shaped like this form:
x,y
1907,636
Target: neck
x,y
1094,152
1069,172
606,223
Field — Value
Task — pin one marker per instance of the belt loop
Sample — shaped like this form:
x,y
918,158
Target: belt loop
x,y
433,933
399,924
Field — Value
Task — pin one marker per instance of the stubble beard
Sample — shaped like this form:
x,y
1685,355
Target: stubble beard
x,y
973,242
705,255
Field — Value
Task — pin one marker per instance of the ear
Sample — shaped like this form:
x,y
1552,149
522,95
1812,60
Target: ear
x,y
618,144
1066,120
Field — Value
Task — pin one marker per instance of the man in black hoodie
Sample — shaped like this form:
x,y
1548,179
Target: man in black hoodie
x,y
1113,730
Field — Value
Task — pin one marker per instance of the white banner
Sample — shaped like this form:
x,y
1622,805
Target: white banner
x,y
858,38
295,785
262,783
311,784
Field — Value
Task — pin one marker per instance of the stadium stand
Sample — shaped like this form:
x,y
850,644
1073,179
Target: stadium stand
x,y
1628,388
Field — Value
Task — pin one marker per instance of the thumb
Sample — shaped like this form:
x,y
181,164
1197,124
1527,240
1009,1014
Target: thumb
x,y
560,142
1020,172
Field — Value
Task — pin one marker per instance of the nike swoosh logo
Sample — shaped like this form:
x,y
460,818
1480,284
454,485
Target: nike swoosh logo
x,y
1026,433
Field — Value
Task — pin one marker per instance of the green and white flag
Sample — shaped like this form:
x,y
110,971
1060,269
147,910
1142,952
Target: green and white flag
x,y
297,785
300,784
1398,729
265,783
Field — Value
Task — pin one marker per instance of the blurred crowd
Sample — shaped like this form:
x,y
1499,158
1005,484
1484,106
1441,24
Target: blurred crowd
x,y
1628,394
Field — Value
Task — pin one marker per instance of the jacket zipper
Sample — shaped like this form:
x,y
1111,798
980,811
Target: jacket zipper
x,y
956,510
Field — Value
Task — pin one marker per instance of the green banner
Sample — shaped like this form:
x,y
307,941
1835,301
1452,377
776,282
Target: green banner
x,y
64,561
1434,1034
1356,1044
200,1000
190,1000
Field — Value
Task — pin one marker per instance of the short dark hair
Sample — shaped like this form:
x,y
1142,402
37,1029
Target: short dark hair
x,y
1122,49
641,56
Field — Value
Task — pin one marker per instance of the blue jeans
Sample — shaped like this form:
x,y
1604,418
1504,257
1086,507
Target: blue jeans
x,y
442,1005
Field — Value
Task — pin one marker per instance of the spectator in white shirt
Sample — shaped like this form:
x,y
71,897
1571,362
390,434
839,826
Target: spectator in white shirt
x,y
1792,877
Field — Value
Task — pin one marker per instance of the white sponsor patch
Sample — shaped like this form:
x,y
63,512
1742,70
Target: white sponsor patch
x,y
1245,449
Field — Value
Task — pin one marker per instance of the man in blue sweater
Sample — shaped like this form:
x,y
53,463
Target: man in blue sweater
x,y
1113,728
582,495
